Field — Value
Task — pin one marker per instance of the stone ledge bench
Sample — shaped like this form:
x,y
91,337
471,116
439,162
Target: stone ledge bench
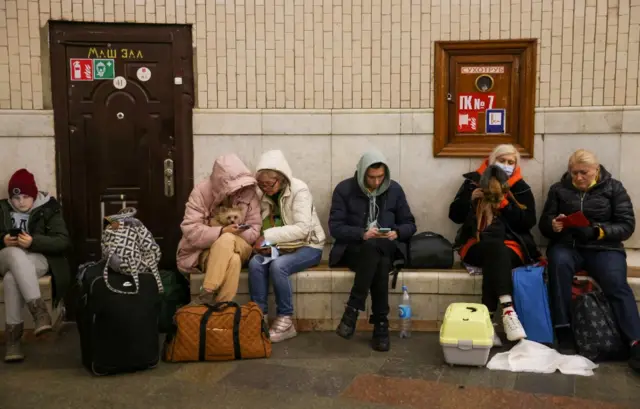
x,y
46,289
320,293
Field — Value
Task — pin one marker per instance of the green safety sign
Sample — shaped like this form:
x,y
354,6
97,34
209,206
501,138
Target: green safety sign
x,y
103,69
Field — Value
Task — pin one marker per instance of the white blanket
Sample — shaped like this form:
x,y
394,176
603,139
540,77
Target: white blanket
x,y
529,356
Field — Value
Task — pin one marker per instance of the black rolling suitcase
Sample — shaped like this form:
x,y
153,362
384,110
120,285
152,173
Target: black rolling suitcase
x,y
118,331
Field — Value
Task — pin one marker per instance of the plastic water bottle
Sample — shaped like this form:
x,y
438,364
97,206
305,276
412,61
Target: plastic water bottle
x,y
404,313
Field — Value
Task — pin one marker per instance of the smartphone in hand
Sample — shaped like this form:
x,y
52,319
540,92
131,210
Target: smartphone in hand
x,y
14,232
243,226
384,230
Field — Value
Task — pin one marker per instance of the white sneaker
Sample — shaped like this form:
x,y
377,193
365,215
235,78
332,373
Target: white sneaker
x,y
512,326
282,329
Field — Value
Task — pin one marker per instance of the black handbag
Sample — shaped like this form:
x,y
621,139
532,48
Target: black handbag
x,y
430,250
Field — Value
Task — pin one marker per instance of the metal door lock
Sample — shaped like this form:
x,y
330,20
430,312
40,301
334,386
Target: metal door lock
x,y
169,188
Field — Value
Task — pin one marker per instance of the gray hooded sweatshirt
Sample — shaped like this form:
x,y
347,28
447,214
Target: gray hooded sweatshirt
x,y
369,158
20,219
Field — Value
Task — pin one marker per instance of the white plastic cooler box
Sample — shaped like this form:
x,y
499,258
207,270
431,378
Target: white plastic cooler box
x,y
466,334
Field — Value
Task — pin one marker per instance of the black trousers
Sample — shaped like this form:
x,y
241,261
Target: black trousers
x,y
496,260
372,261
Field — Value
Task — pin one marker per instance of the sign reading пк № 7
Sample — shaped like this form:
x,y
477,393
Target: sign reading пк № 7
x,y
475,101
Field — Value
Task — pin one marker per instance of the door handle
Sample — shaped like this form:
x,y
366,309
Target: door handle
x,y
169,185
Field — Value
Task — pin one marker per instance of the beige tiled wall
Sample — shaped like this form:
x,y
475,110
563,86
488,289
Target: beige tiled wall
x,y
346,53
323,146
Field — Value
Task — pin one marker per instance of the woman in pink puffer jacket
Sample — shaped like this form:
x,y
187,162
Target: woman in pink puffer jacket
x,y
230,184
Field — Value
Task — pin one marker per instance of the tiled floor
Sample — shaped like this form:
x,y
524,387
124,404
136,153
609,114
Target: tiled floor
x,y
314,370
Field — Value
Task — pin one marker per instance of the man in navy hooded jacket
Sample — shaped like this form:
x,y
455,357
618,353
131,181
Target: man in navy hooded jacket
x,y
361,205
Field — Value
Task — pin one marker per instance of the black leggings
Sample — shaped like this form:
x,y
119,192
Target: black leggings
x,y
496,260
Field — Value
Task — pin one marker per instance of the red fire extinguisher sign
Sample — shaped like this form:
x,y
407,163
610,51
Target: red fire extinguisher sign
x,y
81,69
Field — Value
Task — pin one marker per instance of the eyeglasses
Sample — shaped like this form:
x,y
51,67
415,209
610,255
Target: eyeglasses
x,y
267,185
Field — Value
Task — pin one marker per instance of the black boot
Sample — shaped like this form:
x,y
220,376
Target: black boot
x,y
380,340
566,342
634,357
347,325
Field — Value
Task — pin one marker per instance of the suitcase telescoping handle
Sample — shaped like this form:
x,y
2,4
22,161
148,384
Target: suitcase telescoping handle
x,y
236,327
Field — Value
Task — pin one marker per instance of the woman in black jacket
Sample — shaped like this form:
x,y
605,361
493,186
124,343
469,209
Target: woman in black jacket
x,y
505,243
596,248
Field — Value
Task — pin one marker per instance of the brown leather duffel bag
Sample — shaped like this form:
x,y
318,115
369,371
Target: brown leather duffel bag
x,y
221,332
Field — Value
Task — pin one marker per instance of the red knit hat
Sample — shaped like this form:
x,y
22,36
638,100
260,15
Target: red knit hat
x,y
23,183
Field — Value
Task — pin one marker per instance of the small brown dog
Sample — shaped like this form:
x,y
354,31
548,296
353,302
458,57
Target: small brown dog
x,y
225,216
494,183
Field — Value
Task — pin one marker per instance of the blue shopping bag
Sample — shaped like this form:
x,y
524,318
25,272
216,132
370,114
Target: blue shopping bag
x,y
532,303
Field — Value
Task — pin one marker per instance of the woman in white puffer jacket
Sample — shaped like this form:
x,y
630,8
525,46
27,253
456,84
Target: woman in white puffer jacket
x,y
290,223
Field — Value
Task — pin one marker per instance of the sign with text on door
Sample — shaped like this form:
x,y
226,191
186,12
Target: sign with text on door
x,y
477,97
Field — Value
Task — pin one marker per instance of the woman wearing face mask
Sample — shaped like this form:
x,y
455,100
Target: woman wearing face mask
x,y
506,243
597,248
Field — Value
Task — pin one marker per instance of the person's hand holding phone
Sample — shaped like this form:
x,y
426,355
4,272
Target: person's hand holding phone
x,y
10,241
371,233
232,228
392,235
243,227
25,240
260,248
387,233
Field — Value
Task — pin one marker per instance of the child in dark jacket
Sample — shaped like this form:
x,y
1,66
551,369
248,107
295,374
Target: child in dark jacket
x,y
34,240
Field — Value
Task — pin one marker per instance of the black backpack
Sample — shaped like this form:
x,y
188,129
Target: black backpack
x,y
429,250
595,330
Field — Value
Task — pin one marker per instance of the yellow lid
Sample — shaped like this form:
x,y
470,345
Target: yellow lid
x,y
467,322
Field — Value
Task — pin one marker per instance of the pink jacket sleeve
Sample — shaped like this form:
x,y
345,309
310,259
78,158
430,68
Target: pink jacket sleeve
x,y
194,228
253,219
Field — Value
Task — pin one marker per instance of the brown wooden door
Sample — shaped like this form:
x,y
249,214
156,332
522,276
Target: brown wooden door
x,y
118,140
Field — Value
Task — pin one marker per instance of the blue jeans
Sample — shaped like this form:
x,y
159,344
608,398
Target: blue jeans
x,y
279,271
608,268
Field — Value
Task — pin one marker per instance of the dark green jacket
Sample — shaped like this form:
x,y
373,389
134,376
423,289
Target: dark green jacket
x,y
50,238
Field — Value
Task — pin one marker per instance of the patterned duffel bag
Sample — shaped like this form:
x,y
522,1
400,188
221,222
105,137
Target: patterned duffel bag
x,y
221,332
